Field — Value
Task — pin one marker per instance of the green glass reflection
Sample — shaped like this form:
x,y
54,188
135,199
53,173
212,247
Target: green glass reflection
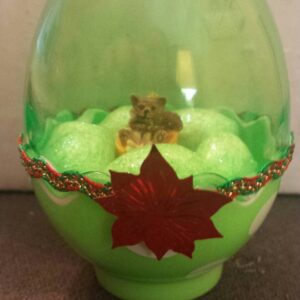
x,y
198,54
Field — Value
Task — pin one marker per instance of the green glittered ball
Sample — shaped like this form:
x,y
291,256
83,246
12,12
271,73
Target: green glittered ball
x,y
93,116
198,124
227,155
182,160
118,119
79,146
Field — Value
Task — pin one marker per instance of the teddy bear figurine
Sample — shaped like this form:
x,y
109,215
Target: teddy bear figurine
x,y
150,124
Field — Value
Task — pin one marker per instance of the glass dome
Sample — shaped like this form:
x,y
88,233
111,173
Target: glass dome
x,y
156,133
206,80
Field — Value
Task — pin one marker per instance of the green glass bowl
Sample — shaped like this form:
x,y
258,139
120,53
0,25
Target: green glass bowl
x,y
133,272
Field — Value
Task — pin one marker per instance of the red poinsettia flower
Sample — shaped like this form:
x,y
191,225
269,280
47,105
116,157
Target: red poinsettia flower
x,y
159,209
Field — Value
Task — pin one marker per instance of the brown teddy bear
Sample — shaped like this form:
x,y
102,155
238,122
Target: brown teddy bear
x,y
150,123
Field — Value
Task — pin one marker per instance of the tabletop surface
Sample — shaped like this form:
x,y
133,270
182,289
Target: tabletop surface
x,y
35,263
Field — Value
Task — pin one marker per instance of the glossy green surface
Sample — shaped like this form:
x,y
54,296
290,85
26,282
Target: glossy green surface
x,y
198,54
173,290
87,228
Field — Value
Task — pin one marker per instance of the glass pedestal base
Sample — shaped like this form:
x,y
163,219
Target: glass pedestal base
x,y
185,289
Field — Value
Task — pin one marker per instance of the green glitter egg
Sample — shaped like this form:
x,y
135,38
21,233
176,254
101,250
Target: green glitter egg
x,y
79,146
183,161
201,123
93,116
227,155
117,119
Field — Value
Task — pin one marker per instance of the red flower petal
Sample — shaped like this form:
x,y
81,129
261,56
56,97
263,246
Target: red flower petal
x,y
159,209
211,202
121,181
157,166
127,232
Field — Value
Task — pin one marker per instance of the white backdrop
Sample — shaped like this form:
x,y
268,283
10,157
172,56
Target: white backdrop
x,y
18,20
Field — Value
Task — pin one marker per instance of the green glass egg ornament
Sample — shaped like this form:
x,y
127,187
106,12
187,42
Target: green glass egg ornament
x,y
156,133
